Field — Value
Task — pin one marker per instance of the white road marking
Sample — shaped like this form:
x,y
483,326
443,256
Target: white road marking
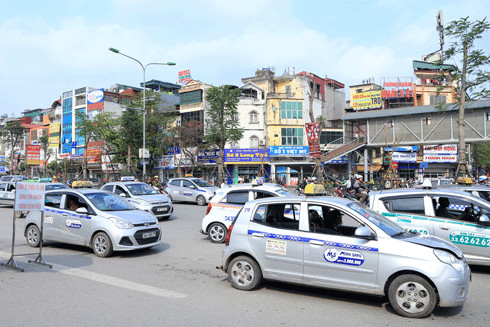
x,y
109,280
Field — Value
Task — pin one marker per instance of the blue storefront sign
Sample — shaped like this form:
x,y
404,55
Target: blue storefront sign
x,y
208,156
291,150
412,148
339,160
246,156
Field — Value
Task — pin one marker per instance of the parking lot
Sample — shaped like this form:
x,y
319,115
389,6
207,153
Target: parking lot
x,y
177,284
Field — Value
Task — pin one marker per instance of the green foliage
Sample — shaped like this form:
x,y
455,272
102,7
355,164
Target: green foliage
x,y
481,155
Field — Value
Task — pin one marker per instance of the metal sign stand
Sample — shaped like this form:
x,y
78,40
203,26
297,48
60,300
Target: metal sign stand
x,y
39,259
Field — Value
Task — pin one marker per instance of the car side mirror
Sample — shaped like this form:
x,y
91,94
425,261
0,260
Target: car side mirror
x,y
484,220
82,211
192,186
365,233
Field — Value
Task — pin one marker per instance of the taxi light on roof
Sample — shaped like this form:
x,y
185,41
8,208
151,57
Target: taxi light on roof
x,y
127,178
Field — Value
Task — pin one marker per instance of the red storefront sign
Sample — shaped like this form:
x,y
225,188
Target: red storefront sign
x,y
33,154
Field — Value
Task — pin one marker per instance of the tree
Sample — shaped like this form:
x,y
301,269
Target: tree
x,y
188,137
131,131
481,156
44,139
222,123
471,75
85,128
107,130
13,133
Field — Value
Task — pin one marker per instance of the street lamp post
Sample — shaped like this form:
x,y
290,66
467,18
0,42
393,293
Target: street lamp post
x,y
144,99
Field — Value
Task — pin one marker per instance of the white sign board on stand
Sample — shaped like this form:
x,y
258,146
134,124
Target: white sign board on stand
x,y
29,197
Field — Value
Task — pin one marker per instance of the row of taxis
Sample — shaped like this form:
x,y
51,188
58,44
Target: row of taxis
x,y
270,233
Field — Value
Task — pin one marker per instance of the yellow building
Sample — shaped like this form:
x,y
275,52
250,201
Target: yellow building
x,y
435,84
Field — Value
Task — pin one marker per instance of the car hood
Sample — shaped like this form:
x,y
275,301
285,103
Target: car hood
x,y
435,243
152,198
132,216
211,189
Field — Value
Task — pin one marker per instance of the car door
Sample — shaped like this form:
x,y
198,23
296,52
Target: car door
x,y
231,204
409,211
188,191
276,240
52,216
75,228
465,231
10,193
336,256
175,190
3,193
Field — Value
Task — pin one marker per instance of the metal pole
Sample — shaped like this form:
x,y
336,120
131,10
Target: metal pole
x,y
144,124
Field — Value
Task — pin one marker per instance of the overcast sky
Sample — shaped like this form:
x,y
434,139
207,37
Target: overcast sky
x,y
48,47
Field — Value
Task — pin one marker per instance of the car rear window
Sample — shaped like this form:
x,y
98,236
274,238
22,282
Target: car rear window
x,y
238,197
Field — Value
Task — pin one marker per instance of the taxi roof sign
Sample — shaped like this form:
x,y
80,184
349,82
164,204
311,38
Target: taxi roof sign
x,y
127,178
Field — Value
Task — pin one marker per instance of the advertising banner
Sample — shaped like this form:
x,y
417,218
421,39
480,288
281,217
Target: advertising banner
x,y
289,150
54,129
412,148
366,100
33,154
165,162
93,155
246,156
29,196
313,135
404,157
441,149
440,158
398,87
339,160
95,96
184,76
208,156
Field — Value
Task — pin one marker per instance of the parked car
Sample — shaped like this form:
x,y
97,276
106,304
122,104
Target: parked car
x,y
13,178
98,219
341,244
481,191
454,216
143,196
7,193
190,190
227,202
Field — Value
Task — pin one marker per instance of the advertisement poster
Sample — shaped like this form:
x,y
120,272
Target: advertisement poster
x,y
93,155
313,134
367,100
29,196
33,154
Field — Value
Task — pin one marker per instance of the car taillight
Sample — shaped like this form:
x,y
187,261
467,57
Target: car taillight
x,y
209,208
227,239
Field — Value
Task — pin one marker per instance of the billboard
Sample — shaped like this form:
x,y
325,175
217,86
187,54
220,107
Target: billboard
x,y
367,100
33,154
93,155
95,96
184,76
54,129
441,149
398,87
246,156
313,135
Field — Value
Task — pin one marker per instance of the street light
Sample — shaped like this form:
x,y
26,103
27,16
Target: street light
x,y
144,98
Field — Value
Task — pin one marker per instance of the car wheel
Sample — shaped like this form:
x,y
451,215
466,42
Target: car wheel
x,y
244,273
412,296
102,245
19,214
201,200
217,233
33,236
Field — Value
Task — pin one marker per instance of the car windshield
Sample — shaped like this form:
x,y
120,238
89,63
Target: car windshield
x,y
283,192
201,183
109,202
54,187
485,195
381,222
140,189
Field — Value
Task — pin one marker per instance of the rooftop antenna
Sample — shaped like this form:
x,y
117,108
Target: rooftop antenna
x,y
440,29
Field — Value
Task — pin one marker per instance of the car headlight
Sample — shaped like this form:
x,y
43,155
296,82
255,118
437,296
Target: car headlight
x,y
449,258
121,223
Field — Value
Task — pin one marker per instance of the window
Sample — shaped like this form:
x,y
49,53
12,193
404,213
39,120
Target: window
x,y
254,142
187,183
454,208
119,190
409,205
73,202
240,197
175,182
435,99
330,136
426,120
488,115
53,200
254,117
3,186
288,90
291,136
284,216
262,195
291,109
328,220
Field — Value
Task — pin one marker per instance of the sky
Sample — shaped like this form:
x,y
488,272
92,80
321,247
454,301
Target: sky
x,y
49,47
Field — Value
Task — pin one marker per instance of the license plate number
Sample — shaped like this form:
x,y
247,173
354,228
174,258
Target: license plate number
x,y
162,209
150,234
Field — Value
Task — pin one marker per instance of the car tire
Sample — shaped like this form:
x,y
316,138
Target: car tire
x,y
244,273
201,200
412,296
102,245
217,232
33,236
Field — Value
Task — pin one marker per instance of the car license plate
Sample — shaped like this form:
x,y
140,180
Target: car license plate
x,y
150,234
162,209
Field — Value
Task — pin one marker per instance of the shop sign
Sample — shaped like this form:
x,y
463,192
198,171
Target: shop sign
x,y
246,156
440,158
165,162
440,149
367,100
339,160
404,157
184,76
93,155
289,150
95,96
398,87
33,154
208,156
407,166
412,148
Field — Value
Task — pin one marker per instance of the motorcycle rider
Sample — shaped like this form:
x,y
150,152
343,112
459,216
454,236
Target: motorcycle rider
x,y
358,189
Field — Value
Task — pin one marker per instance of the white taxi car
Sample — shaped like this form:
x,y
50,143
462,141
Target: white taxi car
x,y
227,202
142,196
455,216
341,244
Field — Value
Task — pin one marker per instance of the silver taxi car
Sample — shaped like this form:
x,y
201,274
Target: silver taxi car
x,y
455,216
143,196
95,218
338,243
190,190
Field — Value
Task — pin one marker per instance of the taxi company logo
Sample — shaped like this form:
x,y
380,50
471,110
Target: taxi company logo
x,y
344,257
72,223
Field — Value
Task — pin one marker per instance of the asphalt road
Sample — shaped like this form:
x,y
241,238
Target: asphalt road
x,y
177,284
